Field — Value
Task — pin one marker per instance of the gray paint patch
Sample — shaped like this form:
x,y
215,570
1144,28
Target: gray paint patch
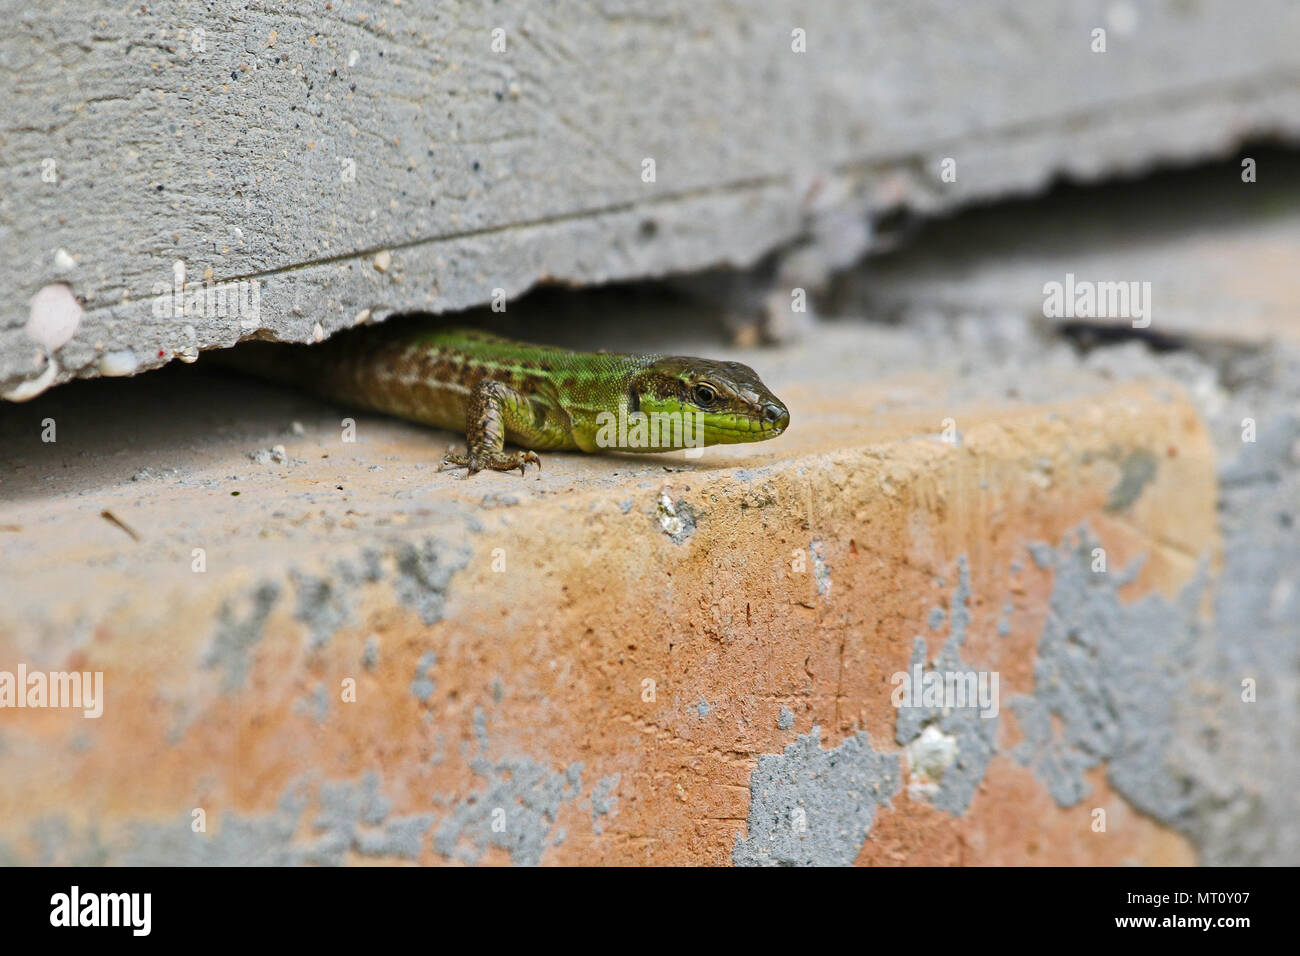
x,y
1136,472
235,636
357,817
937,616
1116,677
422,685
317,706
424,572
703,708
821,570
527,795
354,817
815,807
785,719
326,604
1043,555
975,734
604,800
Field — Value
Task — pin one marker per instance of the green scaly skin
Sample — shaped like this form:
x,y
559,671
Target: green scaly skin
x,y
540,397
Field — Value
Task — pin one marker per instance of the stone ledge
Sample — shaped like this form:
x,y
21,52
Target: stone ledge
x,y
809,570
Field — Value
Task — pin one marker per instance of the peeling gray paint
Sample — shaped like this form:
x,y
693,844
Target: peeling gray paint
x,y
326,604
424,572
236,636
316,706
974,733
422,685
785,718
821,570
1004,622
815,807
1136,471
353,817
1043,555
1117,679
528,795
604,800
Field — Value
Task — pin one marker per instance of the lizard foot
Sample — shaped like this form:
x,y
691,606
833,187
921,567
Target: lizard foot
x,y
497,461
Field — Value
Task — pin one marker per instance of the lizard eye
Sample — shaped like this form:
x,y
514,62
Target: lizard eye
x,y
704,395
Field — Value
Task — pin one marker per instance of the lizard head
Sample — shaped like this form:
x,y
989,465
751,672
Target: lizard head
x,y
725,402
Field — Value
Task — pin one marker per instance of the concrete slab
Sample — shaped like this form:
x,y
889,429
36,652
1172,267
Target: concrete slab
x,y
360,158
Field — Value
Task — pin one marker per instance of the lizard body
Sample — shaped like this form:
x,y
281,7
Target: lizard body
x,y
539,397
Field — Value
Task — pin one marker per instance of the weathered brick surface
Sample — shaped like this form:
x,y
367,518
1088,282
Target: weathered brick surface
x,y
770,623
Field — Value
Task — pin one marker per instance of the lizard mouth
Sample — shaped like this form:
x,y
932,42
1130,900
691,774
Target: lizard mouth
x,y
769,422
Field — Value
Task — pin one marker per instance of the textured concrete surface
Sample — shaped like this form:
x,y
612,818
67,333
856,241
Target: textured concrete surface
x,y
556,670
358,158
1221,256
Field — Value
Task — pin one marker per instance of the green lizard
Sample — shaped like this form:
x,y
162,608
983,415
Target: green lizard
x,y
539,397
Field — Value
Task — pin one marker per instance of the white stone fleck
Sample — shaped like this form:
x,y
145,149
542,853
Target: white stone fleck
x,y
54,316
29,389
929,755
117,363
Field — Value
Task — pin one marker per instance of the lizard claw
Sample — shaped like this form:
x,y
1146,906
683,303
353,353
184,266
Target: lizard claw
x,y
496,461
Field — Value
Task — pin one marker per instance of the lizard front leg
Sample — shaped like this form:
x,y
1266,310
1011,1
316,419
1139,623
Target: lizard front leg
x,y
492,408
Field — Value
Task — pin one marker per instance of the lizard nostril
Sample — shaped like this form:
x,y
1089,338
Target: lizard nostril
x,y
775,414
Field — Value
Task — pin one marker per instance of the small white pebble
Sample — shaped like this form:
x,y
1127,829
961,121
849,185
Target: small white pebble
x,y
54,316
354,57
297,428
63,261
318,333
25,391
362,317
118,363
383,260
